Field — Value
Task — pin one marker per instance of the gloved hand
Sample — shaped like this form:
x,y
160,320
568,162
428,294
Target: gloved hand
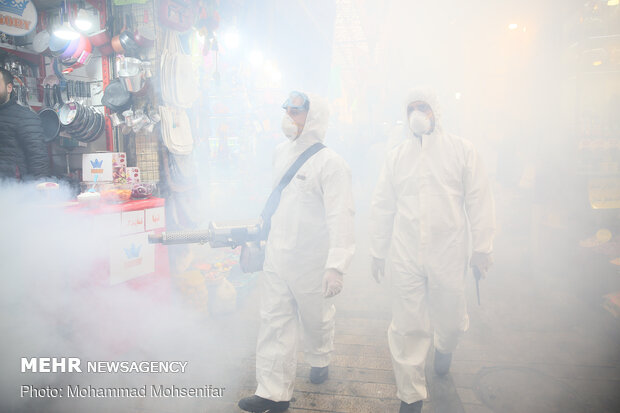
x,y
482,261
378,268
332,283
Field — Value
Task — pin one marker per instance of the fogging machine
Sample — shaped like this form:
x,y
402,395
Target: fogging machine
x,y
250,234
232,234
220,234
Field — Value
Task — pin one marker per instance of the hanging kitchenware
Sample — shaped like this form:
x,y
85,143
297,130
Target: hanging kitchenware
x,y
57,97
83,57
57,45
127,40
102,36
80,57
116,97
77,96
146,89
69,112
49,117
62,81
71,48
116,42
101,128
145,36
89,123
82,51
131,73
106,49
86,124
41,41
95,131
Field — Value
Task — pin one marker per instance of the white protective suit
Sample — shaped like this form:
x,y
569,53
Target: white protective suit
x,y
312,230
427,191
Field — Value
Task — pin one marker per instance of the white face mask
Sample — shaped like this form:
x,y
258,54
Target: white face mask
x,y
419,123
289,127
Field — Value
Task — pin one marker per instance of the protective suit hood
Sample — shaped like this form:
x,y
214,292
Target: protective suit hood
x,y
428,95
316,122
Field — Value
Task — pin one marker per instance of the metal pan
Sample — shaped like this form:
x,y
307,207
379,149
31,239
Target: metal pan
x,y
98,127
106,49
57,97
116,42
101,127
97,133
89,121
84,134
41,41
50,124
57,45
71,48
100,38
78,128
116,97
145,36
69,112
81,55
127,40
49,118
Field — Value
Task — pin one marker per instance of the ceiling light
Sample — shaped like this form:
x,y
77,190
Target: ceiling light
x,y
269,67
256,58
83,21
513,26
597,63
613,2
66,32
232,39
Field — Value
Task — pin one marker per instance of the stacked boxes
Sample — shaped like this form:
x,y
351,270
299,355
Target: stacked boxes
x,y
104,167
133,175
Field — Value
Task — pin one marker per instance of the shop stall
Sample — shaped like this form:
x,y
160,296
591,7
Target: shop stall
x,y
151,118
592,36
84,68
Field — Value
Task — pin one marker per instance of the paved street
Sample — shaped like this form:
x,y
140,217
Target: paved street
x,y
540,342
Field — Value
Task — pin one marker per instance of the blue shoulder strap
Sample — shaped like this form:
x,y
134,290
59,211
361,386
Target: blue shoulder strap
x,y
274,199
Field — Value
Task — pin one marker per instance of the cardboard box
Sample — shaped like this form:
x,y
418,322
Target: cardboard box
x,y
131,256
155,218
119,175
133,175
132,222
102,165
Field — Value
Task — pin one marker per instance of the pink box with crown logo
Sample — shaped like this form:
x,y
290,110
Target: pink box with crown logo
x,y
101,166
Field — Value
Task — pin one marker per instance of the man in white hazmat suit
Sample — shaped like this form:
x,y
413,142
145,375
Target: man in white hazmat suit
x,y
309,247
430,187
